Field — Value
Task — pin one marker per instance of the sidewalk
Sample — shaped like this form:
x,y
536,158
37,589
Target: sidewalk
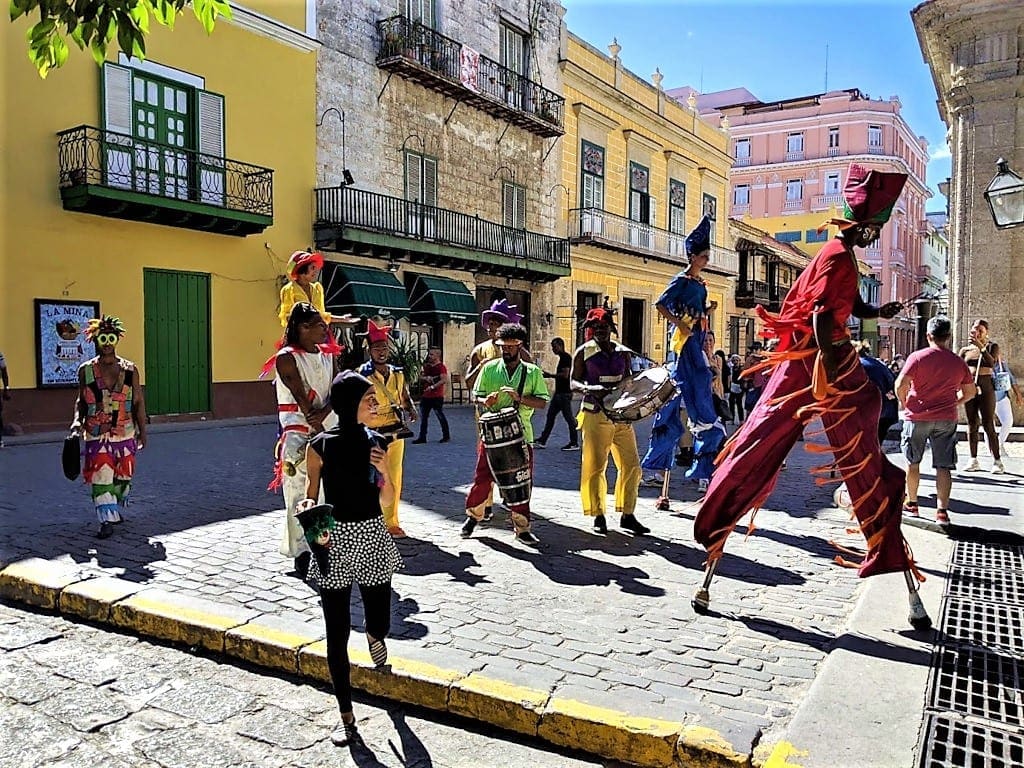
x,y
588,642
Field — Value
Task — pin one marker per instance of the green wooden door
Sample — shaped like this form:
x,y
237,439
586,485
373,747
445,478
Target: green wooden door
x,y
177,341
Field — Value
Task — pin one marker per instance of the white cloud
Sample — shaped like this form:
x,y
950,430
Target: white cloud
x,y
941,152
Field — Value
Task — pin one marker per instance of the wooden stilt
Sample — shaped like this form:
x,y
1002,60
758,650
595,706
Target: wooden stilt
x,y
918,617
701,601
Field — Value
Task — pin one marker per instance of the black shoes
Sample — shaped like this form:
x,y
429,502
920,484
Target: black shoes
x,y
419,441
488,515
468,527
542,444
445,439
570,447
106,529
345,734
528,538
630,523
600,524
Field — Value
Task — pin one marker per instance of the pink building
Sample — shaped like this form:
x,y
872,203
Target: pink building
x,y
789,168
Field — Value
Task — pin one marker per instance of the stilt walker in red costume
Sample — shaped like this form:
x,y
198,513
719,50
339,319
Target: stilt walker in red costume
x,y
816,374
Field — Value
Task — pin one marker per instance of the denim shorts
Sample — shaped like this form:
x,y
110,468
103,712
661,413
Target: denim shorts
x,y
941,435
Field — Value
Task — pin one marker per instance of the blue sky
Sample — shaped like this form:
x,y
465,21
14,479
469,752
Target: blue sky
x,y
776,49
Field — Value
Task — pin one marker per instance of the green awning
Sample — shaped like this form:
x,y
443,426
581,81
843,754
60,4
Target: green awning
x,y
362,292
441,300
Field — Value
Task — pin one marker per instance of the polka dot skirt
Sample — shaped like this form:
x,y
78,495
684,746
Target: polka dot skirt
x,y
359,553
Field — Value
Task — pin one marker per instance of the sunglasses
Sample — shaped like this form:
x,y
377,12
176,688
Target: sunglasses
x,y
509,343
107,339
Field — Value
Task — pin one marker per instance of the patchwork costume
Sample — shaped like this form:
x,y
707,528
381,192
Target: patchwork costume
x,y
797,392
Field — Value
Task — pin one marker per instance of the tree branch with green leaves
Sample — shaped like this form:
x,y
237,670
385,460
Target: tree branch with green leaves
x,y
93,24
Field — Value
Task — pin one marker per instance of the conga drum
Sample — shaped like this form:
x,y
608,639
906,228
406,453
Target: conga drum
x,y
638,397
501,433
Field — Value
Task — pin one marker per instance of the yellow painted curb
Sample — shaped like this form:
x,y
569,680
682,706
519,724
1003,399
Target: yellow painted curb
x,y
38,582
179,618
512,707
609,733
414,682
92,599
705,747
270,643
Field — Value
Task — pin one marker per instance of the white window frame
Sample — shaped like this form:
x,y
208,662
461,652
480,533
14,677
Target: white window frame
x,y
799,137
745,189
745,153
790,197
873,132
833,183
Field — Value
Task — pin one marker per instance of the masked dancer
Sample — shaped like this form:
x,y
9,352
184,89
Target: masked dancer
x,y
817,375
598,365
110,416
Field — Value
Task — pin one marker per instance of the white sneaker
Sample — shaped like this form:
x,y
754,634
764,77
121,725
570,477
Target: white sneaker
x,y
997,468
974,466
702,485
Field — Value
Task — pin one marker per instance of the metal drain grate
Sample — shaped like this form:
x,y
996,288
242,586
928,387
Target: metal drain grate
x,y
952,743
974,681
993,586
991,625
974,554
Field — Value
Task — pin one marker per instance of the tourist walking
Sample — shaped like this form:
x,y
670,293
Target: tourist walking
x,y
1005,385
432,381
981,410
561,400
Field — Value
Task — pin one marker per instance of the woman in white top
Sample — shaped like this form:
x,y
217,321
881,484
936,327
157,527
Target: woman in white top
x,y
1004,409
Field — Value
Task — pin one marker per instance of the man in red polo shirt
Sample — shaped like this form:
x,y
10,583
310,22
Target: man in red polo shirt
x,y
432,379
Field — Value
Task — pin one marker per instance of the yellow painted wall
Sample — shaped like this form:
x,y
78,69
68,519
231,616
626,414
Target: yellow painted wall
x,y
290,12
678,145
270,118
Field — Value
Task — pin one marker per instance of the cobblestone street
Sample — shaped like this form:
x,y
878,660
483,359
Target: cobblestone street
x,y
72,695
605,620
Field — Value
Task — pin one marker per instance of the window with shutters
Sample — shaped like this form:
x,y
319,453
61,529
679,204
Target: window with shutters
x,y
641,206
676,207
162,137
422,11
741,195
421,192
709,206
513,205
591,188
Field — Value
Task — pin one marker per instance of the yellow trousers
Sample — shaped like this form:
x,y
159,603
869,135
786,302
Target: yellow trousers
x,y
601,437
396,453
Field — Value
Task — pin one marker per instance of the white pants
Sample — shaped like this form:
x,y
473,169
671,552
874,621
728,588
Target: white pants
x,y
293,540
1004,412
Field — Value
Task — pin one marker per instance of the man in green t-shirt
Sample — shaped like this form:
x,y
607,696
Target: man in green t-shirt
x,y
508,382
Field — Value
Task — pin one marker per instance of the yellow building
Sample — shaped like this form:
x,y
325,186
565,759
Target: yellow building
x,y
639,171
168,192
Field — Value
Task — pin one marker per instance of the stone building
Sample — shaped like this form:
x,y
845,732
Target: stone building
x,y
437,148
974,52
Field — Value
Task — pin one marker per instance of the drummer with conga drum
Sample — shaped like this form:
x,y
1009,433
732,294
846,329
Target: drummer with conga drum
x,y
598,366
506,391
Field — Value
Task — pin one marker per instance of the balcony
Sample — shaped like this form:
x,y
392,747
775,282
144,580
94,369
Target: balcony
x,y
794,156
834,152
367,223
820,202
750,293
117,175
739,209
897,258
876,149
741,161
794,205
423,55
724,261
594,226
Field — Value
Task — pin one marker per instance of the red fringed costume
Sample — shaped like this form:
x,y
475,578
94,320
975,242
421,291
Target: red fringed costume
x,y
798,392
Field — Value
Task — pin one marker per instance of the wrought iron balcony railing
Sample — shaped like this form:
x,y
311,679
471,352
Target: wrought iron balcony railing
x,y
117,161
753,292
593,225
450,67
361,209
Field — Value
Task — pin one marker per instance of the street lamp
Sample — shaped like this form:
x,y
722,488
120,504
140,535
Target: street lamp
x,y
1005,196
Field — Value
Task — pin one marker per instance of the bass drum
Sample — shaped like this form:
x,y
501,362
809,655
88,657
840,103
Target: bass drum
x,y
639,397
501,433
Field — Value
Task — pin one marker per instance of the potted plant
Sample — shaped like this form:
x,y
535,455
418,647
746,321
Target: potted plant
x,y
405,354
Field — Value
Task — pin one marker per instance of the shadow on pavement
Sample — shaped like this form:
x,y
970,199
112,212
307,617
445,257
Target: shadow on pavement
x,y
424,558
413,751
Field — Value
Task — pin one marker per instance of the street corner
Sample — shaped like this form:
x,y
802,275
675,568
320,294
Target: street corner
x,y
92,599
506,705
179,618
39,582
780,754
272,641
609,732
710,744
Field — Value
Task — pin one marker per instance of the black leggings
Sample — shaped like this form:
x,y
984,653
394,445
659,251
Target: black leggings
x,y
377,613
983,407
736,406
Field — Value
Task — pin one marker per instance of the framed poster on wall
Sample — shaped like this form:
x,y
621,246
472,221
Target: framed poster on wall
x,y
60,340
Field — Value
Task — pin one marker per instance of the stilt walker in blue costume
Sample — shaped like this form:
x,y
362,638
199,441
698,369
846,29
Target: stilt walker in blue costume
x,y
666,430
685,304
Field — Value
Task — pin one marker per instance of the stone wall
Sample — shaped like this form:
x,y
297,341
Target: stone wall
x,y
974,51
